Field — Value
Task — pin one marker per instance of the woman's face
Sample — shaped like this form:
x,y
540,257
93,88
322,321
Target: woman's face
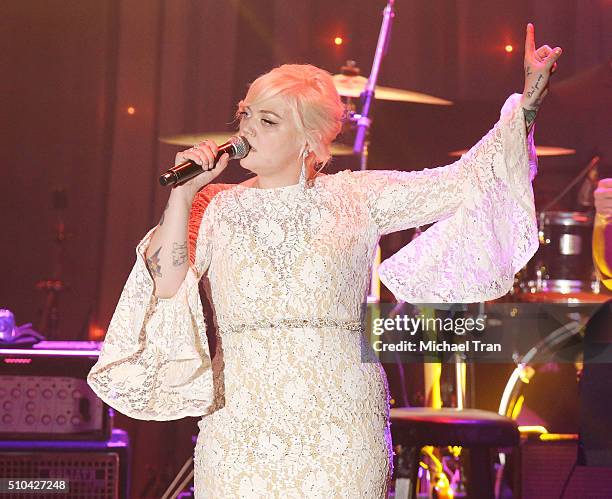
x,y
276,142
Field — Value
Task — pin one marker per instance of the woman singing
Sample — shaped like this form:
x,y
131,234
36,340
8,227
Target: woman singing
x,y
299,408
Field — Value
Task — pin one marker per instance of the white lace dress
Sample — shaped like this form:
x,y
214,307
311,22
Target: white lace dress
x,y
294,410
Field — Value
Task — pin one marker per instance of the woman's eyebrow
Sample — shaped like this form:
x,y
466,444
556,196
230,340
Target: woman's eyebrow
x,y
271,112
266,112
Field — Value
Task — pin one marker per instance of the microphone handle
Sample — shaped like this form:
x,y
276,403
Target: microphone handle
x,y
189,169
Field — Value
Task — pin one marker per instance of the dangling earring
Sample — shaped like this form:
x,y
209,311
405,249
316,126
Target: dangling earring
x,y
303,178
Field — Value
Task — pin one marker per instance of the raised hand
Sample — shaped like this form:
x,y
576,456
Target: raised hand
x,y
203,154
539,65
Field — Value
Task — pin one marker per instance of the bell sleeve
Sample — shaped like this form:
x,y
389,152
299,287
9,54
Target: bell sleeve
x,y
483,204
155,362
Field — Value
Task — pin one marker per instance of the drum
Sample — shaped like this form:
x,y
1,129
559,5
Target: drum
x,y
563,265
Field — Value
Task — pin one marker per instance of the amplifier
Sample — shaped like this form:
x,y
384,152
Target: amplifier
x,y
546,465
99,470
44,393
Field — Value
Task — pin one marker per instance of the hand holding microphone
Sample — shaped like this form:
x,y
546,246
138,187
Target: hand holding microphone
x,y
200,164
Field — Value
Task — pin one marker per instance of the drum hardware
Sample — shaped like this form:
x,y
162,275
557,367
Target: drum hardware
x,y
562,269
52,288
524,372
440,469
528,366
592,165
181,481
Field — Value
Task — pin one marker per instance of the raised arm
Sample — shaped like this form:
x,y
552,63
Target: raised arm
x,y
483,203
539,65
504,157
167,254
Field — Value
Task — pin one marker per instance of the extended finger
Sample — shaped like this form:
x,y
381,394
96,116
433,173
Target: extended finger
x,y
530,39
552,58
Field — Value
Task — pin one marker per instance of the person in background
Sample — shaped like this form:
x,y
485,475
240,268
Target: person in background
x,y
595,442
602,232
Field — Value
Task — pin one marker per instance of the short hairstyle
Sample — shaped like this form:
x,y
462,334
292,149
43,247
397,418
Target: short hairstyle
x,y
311,94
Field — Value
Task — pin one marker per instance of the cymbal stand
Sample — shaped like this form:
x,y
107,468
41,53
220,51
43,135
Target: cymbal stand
x,y
48,323
181,480
363,122
592,164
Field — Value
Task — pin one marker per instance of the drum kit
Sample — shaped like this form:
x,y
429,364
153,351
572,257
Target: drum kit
x,y
562,269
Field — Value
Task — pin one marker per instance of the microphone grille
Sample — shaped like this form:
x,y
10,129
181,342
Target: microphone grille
x,y
241,147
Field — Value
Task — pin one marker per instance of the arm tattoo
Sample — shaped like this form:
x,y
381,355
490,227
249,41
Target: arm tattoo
x,y
179,253
527,71
535,87
153,264
530,115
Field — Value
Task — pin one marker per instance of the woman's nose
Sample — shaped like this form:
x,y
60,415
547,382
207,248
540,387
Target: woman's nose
x,y
248,130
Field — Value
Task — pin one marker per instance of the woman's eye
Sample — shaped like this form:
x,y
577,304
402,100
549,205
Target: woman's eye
x,y
268,122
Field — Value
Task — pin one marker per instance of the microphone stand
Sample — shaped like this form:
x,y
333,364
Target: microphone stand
x,y
363,121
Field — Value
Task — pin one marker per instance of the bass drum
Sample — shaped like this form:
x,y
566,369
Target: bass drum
x,y
562,269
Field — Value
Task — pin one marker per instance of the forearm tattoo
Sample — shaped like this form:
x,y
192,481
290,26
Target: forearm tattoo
x,y
153,264
179,254
535,87
530,116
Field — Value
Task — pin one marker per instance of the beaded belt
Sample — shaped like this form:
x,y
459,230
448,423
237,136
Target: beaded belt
x,y
289,323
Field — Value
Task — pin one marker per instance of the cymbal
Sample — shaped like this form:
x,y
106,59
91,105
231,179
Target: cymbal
x,y
353,86
540,151
220,137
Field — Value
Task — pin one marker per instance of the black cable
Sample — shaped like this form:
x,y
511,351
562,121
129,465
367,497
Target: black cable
x,y
567,480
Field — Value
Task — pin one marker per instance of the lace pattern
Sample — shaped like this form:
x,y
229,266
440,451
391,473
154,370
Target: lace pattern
x,y
293,410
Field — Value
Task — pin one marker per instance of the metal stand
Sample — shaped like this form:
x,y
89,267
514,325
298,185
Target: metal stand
x,y
363,122
48,323
182,479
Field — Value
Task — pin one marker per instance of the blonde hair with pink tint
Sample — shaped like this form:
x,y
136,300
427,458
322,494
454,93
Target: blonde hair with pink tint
x,y
311,94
